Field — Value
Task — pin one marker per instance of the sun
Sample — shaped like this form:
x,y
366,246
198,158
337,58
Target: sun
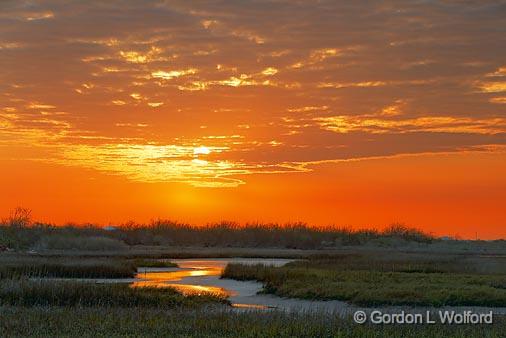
x,y
201,150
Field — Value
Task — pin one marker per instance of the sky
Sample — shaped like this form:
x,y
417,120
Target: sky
x,y
343,113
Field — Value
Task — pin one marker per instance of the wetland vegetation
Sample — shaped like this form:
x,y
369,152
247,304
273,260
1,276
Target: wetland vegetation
x,y
385,279
395,266
157,322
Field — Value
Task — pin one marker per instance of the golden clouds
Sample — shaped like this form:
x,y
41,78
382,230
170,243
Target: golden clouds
x,y
219,27
242,80
135,125
9,109
394,109
307,109
36,129
208,23
249,36
134,57
201,150
10,45
269,71
499,100
85,87
33,16
501,71
320,55
160,74
193,86
35,105
497,85
139,57
493,87
4,124
155,163
338,85
136,96
441,124
111,69
280,81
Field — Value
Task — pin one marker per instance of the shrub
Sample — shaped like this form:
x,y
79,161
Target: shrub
x,y
66,242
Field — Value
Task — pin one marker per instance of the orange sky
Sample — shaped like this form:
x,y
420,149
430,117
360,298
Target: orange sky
x,y
328,112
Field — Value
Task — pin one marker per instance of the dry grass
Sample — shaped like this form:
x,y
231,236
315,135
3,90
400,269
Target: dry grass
x,y
157,322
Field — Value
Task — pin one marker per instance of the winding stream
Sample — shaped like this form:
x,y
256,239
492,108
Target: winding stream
x,y
197,276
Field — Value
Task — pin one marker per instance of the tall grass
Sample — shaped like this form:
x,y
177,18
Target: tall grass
x,y
157,322
383,280
39,267
50,293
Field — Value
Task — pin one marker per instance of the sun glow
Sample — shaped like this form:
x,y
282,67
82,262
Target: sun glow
x,y
201,151
205,112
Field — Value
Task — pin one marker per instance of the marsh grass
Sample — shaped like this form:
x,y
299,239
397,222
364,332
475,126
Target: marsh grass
x,y
24,292
153,263
39,267
395,261
373,281
183,322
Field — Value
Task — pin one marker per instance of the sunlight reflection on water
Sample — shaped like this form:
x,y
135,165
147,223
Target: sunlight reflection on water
x,y
202,276
151,278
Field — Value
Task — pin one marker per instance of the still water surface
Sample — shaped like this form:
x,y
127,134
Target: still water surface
x,y
198,276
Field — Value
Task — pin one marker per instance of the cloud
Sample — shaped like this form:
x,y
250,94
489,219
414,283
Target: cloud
x,y
298,81
339,85
155,104
440,124
160,74
493,87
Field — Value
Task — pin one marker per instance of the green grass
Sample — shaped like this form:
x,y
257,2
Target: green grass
x,y
50,293
36,267
158,322
381,280
153,263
